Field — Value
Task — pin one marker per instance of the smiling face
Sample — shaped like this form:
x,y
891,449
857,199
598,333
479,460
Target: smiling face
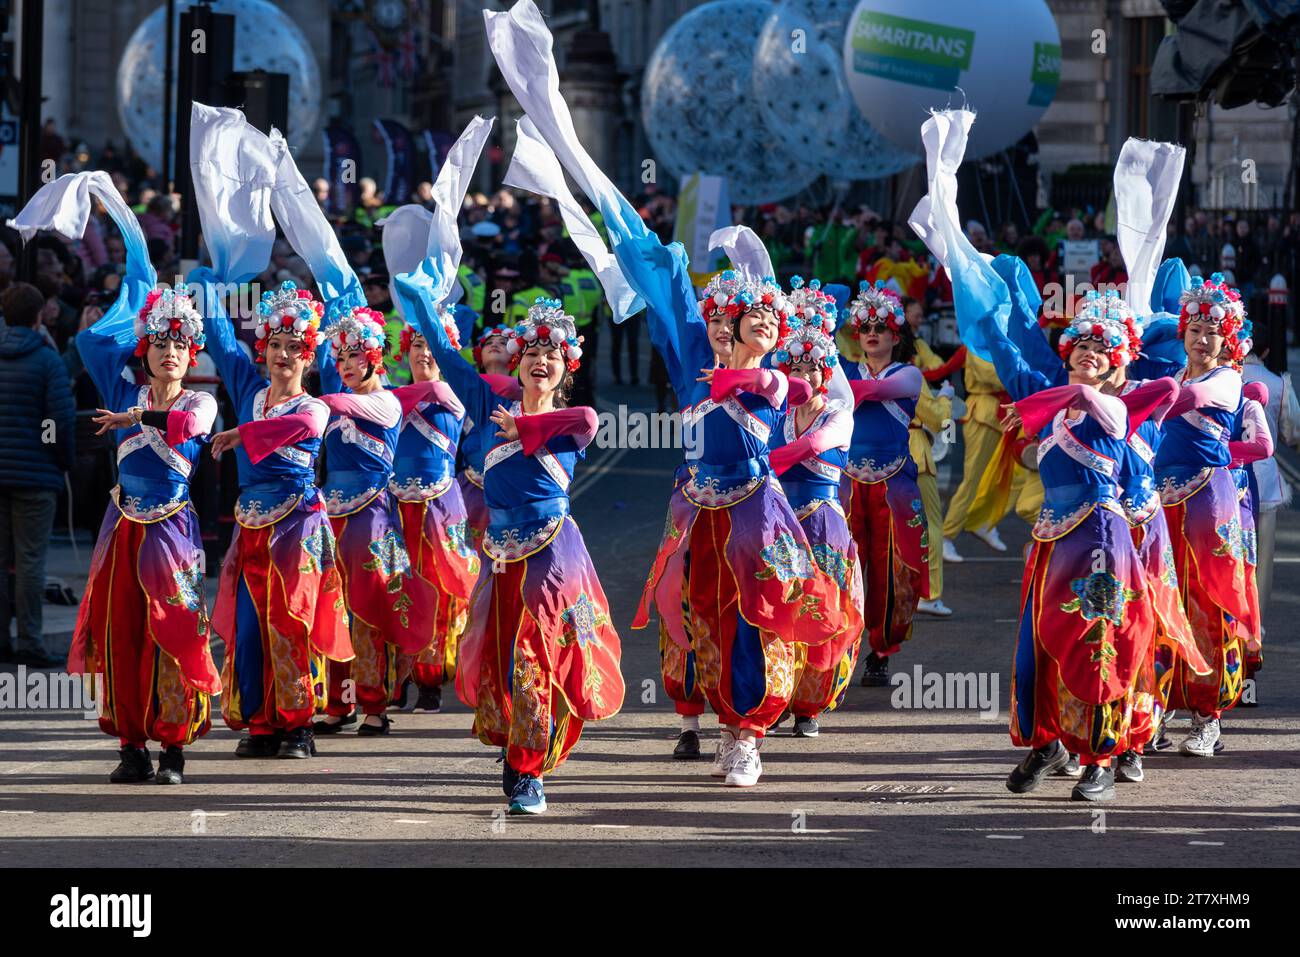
x,y
759,330
423,368
877,340
286,360
541,369
495,356
810,372
720,337
1089,362
354,368
1203,342
169,359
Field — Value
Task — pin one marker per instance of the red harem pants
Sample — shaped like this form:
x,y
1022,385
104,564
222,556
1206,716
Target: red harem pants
x,y
747,673
144,697
520,705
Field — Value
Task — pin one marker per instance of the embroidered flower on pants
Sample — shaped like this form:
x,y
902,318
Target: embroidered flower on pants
x,y
1100,595
390,556
581,620
832,562
785,559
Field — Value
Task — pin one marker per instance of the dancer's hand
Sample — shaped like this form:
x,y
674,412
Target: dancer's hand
x,y
225,441
706,375
1011,421
107,420
506,423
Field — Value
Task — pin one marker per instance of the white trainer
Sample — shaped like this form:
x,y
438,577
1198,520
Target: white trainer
x,y
746,765
933,606
1205,732
990,537
722,757
950,553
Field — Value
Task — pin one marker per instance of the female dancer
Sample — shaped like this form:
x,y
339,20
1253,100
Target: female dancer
x,y
143,622
541,655
142,628
432,512
279,607
1171,639
809,450
879,491
677,662
1086,618
493,360
385,602
1251,441
749,576
1202,510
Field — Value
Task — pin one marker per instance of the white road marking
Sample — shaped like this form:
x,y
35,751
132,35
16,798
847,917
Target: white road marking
x,y
1004,837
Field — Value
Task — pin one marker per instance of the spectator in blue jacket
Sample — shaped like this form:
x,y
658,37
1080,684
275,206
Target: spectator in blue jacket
x,y
37,431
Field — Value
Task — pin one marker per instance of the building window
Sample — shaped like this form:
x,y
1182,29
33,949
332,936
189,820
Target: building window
x,y
1144,36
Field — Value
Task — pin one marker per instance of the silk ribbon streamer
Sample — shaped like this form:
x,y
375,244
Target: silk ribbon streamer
x,y
1146,185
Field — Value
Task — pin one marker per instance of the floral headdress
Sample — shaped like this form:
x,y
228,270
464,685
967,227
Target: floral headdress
x,y
360,329
734,292
409,333
168,314
291,310
876,303
808,342
1106,319
1213,300
504,332
546,324
811,306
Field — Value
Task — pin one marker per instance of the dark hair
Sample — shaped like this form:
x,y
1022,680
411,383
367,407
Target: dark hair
x,y
21,304
905,347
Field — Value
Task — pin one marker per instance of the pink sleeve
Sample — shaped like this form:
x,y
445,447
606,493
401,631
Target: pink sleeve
x,y
439,393
183,425
261,437
379,407
1257,439
903,384
800,392
1257,391
506,386
578,422
1221,390
835,432
1038,409
1151,400
764,383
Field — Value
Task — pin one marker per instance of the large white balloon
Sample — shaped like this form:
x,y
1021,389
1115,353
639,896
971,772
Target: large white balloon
x,y
698,106
800,87
265,39
905,57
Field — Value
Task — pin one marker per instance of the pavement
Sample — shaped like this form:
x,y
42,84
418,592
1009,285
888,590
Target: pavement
x,y
882,784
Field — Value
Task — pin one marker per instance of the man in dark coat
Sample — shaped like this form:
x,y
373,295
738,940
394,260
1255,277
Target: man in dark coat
x,y
37,431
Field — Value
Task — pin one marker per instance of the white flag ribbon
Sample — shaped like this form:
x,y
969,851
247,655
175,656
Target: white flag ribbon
x,y
743,248
308,231
1146,185
412,233
534,167
232,166
944,137
521,44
